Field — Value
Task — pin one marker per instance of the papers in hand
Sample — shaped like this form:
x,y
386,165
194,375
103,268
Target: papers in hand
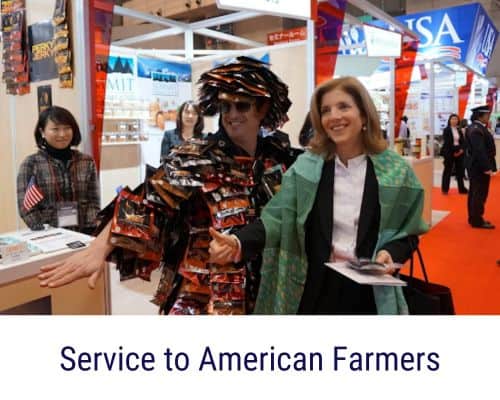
x,y
364,278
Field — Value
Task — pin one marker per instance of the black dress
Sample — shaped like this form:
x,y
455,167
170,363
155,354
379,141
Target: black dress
x,y
452,161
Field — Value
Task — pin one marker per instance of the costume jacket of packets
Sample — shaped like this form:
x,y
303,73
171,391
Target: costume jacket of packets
x,y
164,222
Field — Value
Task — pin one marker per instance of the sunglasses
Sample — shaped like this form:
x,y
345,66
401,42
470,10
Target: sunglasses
x,y
240,106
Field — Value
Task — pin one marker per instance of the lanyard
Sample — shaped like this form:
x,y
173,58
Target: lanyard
x,y
56,183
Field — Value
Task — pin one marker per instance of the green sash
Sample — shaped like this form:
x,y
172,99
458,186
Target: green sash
x,y
284,267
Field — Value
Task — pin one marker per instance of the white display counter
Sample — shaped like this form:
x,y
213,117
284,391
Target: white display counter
x,y
20,291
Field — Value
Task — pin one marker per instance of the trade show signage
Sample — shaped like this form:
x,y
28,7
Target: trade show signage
x,y
444,32
328,31
382,43
167,71
482,42
121,76
370,40
288,35
462,32
287,8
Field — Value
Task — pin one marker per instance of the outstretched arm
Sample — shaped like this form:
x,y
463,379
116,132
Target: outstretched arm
x,y
86,263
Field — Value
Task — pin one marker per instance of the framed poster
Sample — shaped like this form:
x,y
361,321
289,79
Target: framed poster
x,y
44,94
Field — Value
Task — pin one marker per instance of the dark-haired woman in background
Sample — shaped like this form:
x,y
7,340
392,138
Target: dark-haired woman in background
x,y
306,132
58,185
453,154
189,124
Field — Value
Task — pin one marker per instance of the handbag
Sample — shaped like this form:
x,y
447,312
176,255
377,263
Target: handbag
x,y
424,297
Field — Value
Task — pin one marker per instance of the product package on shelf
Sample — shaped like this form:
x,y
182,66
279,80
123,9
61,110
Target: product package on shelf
x,y
62,44
14,55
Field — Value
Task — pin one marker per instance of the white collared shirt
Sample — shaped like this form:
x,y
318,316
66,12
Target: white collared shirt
x,y
456,136
347,197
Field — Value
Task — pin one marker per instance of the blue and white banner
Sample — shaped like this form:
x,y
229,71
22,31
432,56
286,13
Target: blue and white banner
x,y
168,71
463,32
482,42
443,32
121,76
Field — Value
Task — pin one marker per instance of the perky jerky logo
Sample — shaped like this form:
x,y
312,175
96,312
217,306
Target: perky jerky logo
x,y
42,51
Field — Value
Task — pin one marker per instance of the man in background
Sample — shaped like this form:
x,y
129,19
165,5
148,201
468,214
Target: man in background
x,y
481,165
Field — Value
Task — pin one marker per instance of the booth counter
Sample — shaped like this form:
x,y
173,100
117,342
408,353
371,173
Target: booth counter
x,y
20,291
423,168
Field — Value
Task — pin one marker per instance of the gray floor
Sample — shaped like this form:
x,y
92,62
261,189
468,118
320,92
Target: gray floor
x,y
132,297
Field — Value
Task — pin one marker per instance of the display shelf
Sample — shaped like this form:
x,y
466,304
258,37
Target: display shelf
x,y
126,143
116,117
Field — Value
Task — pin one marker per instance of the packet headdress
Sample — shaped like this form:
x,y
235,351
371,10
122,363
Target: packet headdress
x,y
248,77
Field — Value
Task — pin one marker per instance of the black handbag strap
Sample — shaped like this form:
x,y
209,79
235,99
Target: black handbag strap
x,y
422,265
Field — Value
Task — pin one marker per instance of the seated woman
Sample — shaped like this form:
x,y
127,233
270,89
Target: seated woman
x,y
189,124
348,197
58,185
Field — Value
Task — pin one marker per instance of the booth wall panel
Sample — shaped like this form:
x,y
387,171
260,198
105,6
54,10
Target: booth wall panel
x,y
258,28
289,65
120,165
166,8
7,183
128,31
26,115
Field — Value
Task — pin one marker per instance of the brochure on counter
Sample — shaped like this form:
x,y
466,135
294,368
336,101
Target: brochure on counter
x,y
54,239
18,245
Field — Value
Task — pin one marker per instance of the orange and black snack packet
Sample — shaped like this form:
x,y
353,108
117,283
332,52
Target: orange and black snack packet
x,y
132,217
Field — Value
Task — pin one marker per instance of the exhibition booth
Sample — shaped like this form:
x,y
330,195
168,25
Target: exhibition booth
x,y
137,84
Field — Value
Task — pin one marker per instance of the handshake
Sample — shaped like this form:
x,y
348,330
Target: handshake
x,y
224,248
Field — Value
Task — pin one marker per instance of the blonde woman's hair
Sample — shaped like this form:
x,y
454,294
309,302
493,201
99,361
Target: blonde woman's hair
x,y
373,141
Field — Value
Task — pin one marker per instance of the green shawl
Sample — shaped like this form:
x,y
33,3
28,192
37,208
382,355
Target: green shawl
x,y
284,267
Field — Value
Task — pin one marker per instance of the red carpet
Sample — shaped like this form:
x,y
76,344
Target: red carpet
x,y
464,258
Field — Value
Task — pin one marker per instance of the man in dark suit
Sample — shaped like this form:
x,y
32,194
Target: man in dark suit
x,y
481,165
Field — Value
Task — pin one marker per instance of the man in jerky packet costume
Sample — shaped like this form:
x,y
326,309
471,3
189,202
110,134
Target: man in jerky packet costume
x,y
221,182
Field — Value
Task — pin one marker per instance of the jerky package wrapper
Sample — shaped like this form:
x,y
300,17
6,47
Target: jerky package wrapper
x,y
166,284
59,12
132,217
235,307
